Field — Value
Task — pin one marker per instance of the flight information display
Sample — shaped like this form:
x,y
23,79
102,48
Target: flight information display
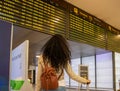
x,y
60,17
36,15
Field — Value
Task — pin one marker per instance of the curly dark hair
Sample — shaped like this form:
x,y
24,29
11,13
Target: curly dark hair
x,y
56,52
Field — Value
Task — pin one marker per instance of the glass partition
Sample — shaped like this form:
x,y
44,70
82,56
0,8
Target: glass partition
x,y
104,70
74,64
90,62
117,69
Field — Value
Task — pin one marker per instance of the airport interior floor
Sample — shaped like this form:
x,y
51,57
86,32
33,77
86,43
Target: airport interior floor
x,y
86,90
73,89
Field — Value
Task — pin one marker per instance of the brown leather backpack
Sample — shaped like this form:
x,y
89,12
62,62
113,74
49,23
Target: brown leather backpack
x,y
49,79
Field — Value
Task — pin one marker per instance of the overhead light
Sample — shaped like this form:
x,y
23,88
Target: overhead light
x,y
37,56
118,35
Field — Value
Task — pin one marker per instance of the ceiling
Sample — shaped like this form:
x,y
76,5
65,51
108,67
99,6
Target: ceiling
x,y
106,10
38,39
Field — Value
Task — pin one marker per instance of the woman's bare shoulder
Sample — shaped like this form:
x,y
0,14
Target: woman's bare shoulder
x,y
40,59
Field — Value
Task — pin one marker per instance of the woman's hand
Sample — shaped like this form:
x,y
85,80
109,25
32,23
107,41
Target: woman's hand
x,y
88,81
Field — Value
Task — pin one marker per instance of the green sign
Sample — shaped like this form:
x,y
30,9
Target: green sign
x,y
16,84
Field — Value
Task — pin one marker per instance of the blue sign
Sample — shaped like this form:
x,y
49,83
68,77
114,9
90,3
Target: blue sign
x,y
5,47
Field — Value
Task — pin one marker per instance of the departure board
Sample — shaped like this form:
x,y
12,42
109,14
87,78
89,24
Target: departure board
x,y
86,32
60,17
34,14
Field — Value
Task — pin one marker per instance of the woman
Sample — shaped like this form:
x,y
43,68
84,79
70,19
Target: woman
x,y
57,54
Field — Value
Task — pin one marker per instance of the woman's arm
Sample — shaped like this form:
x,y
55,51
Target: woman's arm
x,y
39,72
75,77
